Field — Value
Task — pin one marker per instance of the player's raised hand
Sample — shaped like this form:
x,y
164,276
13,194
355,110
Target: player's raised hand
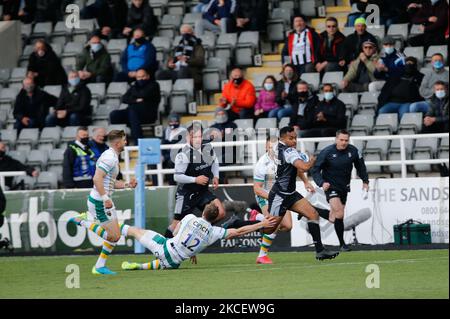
x,y
202,180
269,222
310,188
326,186
108,204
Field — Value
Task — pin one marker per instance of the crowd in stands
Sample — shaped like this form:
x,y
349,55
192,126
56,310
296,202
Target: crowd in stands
x,y
369,64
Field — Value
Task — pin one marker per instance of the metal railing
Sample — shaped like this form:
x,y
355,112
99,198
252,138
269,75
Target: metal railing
x,y
253,145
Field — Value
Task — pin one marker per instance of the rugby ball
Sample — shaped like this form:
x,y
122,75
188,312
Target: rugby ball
x,y
303,156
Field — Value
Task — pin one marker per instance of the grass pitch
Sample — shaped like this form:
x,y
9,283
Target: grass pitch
x,y
403,274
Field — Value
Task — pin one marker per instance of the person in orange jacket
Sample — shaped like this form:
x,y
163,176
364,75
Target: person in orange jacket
x,y
240,95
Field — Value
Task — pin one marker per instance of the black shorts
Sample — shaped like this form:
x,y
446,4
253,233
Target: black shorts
x,y
186,203
336,193
280,203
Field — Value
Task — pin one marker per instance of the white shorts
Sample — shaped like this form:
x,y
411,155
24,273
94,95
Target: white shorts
x,y
156,243
99,212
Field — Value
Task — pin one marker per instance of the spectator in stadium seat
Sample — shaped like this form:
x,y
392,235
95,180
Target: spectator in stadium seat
x,y
98,141
353,43
327,116
173,134
266,104
140,14
251,15
303,107
143,99
188,59
45,66
285,90
391,64
240,94
223,130
9,164
399,93
217,18
437,73
436,119
23,10
331,48
74,104
302,46
111,16
361,71
433,18
79,162
139,54
94,62
31,106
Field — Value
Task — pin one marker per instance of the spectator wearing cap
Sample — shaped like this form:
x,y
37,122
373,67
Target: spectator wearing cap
x,y
399,93
361,71
302,46
352,46
433,18
139,54
436,118
45,66
436,74
223,130
240,95
173,134
391,64
331,48
94,62
187,60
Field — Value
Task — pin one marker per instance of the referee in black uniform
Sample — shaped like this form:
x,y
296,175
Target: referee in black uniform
x,y
333,171
196,165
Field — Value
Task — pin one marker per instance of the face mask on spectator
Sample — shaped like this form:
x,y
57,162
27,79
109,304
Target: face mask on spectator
x,y
84,140
438,65
40,53
29,88
238,81
223,118
389,50
440,94
174,126
95,47
289,75
74,81
141,83
268,86
410,69
140,40
328,96
303,94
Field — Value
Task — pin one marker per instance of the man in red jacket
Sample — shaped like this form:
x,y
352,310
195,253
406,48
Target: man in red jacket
x,y
240,95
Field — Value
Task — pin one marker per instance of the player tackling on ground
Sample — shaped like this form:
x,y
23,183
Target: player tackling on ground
x,y
191,236
100,204
283,195
333,171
